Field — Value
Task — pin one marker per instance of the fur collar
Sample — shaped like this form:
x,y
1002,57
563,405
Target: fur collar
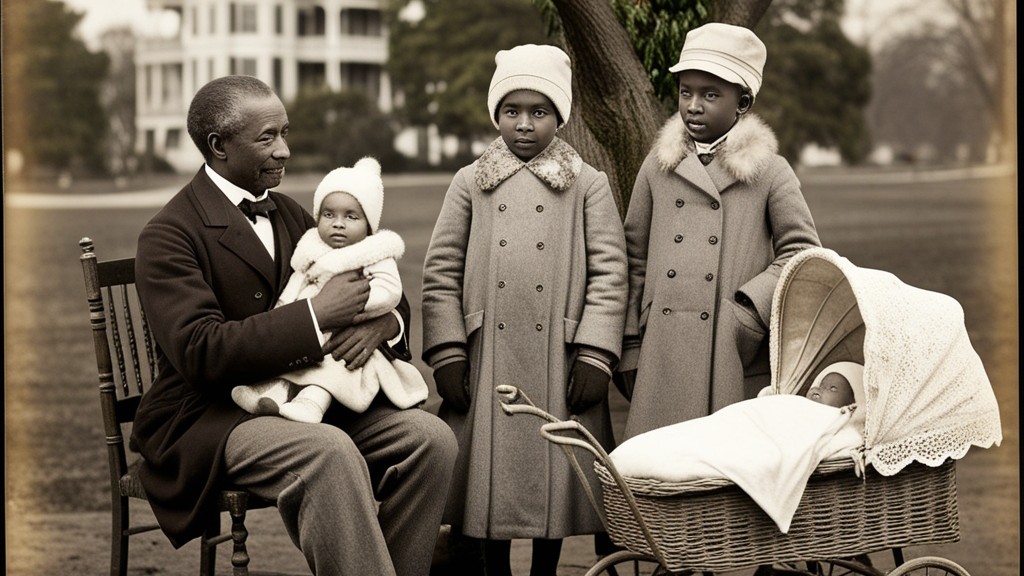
x,y
318,261
750,144
558,165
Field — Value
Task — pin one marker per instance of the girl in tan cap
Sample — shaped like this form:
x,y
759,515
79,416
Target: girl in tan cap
x,y
524,283
715,214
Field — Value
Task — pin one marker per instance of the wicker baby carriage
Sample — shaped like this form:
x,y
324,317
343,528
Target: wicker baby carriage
x,y
927,399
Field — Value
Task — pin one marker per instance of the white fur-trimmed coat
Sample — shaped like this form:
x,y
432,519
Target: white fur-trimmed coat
x,y
698,236
314,262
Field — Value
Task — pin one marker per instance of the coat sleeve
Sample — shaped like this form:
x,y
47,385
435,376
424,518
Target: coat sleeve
x,y
175,278
638,230
604,306
385,287
444,269
792,230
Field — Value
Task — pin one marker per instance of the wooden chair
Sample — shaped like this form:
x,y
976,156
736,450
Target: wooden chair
x,y
122,339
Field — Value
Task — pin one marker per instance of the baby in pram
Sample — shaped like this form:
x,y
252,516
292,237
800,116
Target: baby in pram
x,y
768,445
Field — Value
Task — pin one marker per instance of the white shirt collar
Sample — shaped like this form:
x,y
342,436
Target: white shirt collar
x,y
710,148
234,193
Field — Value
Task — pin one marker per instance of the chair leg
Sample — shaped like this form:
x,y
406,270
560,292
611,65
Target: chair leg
x,y
119,537
208,550
239,534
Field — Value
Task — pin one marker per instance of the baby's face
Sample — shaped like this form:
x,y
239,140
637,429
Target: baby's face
x,y
342,221
833,390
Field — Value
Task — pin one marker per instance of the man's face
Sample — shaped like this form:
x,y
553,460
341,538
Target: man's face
x,y
708,104
254,158
342,221
527,121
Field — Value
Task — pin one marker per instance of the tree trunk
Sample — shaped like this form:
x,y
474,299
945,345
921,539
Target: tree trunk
x,y
746,13
616,113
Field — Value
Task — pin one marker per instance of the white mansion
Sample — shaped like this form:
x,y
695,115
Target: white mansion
x,y
287,43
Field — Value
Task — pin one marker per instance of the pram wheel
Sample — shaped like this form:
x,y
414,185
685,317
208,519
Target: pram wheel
x,y
627,563
929,566
834,567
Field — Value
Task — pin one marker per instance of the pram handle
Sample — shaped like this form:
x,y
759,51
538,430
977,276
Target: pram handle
x,y
515,401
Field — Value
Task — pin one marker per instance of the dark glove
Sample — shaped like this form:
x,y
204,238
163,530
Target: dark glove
x,y
452,382
588,386
625,382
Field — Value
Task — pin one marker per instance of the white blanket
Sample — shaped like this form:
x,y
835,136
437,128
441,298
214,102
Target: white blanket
x,y
767,446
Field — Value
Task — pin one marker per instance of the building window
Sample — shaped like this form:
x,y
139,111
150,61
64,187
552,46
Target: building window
x,y
195,21
278,20
213,19
312,75
243,18
170,81
356,22
243,66
278,75
312,21
173,141
363,78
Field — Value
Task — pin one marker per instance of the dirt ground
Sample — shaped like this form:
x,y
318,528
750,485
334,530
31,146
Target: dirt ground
x,y
944,231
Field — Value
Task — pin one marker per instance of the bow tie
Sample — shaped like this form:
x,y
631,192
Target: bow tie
x,y
259,208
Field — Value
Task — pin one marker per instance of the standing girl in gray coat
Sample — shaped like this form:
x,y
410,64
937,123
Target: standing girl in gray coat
x,y
524,283
714,215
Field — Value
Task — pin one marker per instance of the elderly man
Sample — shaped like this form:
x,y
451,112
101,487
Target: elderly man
x,y
359,493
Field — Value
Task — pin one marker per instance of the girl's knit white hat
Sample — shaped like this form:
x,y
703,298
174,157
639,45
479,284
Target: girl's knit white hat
x,y
541,68
362,181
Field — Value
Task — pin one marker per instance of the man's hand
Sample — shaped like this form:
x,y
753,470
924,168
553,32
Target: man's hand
x,y
341,298
355,343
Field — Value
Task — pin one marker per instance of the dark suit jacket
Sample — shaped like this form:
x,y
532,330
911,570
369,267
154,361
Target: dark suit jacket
x,y
209,288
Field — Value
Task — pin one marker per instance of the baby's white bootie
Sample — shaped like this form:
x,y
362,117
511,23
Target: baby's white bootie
x,y
308,405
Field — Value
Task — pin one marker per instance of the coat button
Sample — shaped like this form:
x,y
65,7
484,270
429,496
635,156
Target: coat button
x,y
539,327
540,288
709,276
704,315
501,325
678,238
540,245
501,284
501,207
679,202
258,295
666,311
540,208
715,205
502,243
671,273
713,240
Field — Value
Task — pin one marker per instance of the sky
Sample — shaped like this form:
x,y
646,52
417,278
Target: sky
x,y
867,21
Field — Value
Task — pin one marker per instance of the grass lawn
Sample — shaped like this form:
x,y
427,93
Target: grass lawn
x,y
956,237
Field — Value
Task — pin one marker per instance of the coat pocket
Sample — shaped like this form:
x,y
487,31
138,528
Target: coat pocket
x,y
749,332
473,322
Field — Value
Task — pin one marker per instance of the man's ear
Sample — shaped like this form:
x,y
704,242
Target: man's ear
x,y
216,143
746,101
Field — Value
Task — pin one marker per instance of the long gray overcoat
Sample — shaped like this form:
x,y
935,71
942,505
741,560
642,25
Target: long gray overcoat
x,y
700,239
526,262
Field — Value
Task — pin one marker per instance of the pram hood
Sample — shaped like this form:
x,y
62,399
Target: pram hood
x,y
927,394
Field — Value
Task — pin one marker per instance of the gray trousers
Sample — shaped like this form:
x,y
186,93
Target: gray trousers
x,y
360,494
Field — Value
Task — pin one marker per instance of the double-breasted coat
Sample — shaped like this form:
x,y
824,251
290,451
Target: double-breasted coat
x,y
706,245
209,288
527,261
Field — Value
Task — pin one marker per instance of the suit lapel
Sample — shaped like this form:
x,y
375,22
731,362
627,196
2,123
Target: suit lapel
x,y
283,249
238,236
